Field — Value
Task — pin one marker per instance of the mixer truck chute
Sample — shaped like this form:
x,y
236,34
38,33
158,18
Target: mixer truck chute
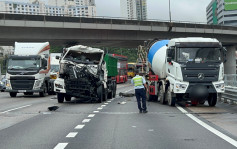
x,y
186,69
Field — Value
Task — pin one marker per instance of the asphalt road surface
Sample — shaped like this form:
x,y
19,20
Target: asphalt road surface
x,y
26,123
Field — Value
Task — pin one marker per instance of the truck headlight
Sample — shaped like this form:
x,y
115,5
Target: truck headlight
x,y
220,86
1,83
38,83
180,86
8,84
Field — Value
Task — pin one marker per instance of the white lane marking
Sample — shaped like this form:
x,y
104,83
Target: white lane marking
x,y
61,146
128,90
71,134
86,120
99,108
79,126
106,103
91,115
103,105
151,130
211,129
95,111
134,126
15,109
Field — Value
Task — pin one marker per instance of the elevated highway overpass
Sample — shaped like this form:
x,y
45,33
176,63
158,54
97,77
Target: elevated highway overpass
x,y
107,32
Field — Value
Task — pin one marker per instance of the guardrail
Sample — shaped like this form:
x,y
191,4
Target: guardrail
x,y
230,88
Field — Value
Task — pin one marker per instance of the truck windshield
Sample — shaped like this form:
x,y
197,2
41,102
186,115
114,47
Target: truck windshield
x,y
54,68
85,58
24,64
199,55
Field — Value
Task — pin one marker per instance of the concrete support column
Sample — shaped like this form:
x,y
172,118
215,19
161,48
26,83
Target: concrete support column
x,y
230,65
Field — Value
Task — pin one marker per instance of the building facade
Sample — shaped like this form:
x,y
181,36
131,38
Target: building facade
x,y
222,12
74,8
134,9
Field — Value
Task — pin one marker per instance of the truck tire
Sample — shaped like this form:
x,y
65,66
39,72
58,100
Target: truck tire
x,y
212,99
105,94
60,97
161,95
68,98
110,95
100,94
13,94
43,93
171,100
114,89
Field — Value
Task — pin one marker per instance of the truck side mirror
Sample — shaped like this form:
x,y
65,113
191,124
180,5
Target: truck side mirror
x,y
44,64
57,57
169,59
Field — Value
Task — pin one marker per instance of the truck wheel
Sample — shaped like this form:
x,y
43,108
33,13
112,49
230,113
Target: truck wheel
x,y
43,93
68,98
100,94
168,96
60,97
110,95
13,94
105,95
161,95
212,99
114,89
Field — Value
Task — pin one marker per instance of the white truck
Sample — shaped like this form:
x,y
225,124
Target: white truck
x,y
186,69
54,70
86,72
28,69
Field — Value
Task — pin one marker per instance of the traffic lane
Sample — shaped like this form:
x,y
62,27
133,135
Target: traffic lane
x,y
121,126
21,108
45,129
7,102
223,115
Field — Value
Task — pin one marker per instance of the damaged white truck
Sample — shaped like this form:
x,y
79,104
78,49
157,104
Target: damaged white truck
x,y
86,73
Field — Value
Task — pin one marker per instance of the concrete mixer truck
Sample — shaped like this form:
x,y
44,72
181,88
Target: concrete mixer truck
x,y
185,69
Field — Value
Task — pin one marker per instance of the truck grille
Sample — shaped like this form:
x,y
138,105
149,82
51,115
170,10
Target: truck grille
x,y
197,73
22,82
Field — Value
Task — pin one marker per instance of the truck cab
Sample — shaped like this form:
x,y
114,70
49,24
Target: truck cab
x,y
195,70
28,69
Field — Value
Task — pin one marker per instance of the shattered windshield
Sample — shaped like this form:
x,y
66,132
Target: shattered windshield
x,y
199,55
85,58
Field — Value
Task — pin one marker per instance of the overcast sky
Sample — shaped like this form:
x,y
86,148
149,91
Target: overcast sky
x,y
181,10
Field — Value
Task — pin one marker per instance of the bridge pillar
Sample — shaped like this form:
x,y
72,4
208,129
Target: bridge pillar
x,y
230,65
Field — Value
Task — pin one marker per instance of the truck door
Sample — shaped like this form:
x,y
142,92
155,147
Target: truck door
x,y
170,69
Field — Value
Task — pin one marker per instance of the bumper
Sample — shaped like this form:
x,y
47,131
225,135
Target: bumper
x,y
24,91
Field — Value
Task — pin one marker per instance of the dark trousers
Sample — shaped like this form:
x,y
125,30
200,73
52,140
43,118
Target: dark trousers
x,y
141,94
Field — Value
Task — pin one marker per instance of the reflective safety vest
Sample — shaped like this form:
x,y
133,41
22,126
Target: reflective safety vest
x,y
137,81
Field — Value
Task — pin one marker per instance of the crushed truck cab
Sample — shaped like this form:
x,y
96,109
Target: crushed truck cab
x,y
84,74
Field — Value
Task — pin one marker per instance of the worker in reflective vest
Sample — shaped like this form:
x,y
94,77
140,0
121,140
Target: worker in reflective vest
x,y
140,92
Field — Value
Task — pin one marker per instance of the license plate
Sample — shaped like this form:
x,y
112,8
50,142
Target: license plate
x,y
21,91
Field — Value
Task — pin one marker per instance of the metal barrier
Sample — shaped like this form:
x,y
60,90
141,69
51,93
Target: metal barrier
x,y
230,88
